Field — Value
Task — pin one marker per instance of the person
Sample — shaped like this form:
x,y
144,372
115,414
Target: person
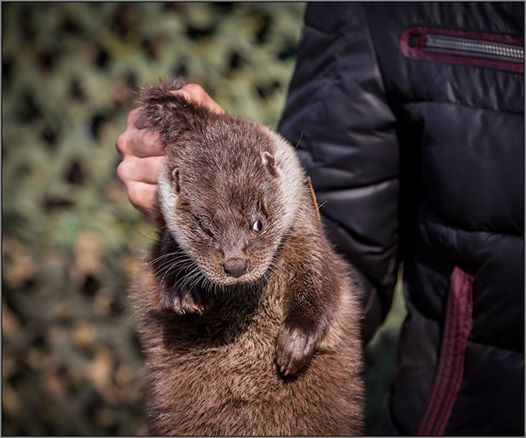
x,y
409,119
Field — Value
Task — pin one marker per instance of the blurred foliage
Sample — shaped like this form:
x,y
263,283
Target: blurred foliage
x,y
380,361
71,362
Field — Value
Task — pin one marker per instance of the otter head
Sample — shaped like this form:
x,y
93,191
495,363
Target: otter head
x,y
229,191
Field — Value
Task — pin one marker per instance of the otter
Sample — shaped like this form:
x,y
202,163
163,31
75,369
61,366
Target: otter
x,y
248,318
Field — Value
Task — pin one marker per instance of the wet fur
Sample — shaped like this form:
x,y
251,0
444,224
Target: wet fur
x,y
218,373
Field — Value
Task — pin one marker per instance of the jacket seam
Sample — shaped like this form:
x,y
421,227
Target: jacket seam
x,y
454,227
436,319
377,282
444,102
353,233
376,61
357,187
485,345
319,98
319,30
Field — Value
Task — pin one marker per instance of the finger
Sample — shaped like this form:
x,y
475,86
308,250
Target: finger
x,y
207,102
302,354
197,300
144,170
142,120
284,356
143,196
189,302
286,362
177,304
295,363
197,94
292,356
122,144
309,346
279,346
133,115
145,143
186,300
131,134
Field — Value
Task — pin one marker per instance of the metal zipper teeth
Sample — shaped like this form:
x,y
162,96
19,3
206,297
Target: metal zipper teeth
x,y
474,46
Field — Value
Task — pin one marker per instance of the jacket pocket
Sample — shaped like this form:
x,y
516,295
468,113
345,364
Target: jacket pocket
x,y
454,46
450,368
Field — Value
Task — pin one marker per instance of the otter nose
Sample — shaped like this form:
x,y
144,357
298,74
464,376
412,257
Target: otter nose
x,y
235,267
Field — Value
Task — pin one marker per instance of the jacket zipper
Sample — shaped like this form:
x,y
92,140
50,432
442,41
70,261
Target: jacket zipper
x,y
457,46
474,47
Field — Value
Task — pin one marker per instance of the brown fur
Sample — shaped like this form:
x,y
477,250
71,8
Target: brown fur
x,y
216,346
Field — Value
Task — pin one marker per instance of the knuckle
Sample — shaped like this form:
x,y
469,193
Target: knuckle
x,y
122,171
132,115
134,194
154,167
120,143
151,140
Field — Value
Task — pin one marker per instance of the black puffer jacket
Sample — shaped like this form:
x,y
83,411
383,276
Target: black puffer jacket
x,y
409,120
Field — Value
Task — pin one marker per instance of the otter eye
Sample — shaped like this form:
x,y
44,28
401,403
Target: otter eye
x,y
257,226
202,225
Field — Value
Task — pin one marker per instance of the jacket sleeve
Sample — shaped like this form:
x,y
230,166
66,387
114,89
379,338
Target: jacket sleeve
x,y
337,116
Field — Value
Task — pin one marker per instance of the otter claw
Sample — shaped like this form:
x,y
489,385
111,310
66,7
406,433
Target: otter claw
x,y
185,301
294,349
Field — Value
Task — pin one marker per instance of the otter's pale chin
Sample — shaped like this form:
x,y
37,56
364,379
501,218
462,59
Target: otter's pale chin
x,y
247,279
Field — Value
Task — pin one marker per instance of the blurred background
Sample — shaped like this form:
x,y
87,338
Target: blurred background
x,y
71,363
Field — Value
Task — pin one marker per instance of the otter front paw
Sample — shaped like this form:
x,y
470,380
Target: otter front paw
x,y
183,301
295,347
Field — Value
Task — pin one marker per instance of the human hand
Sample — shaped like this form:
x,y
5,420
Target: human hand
x,y
142,154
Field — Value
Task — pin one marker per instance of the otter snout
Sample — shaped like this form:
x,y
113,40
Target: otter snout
x,y
235,267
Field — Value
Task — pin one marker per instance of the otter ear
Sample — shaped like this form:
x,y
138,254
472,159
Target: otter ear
x,y
269,162
175,180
